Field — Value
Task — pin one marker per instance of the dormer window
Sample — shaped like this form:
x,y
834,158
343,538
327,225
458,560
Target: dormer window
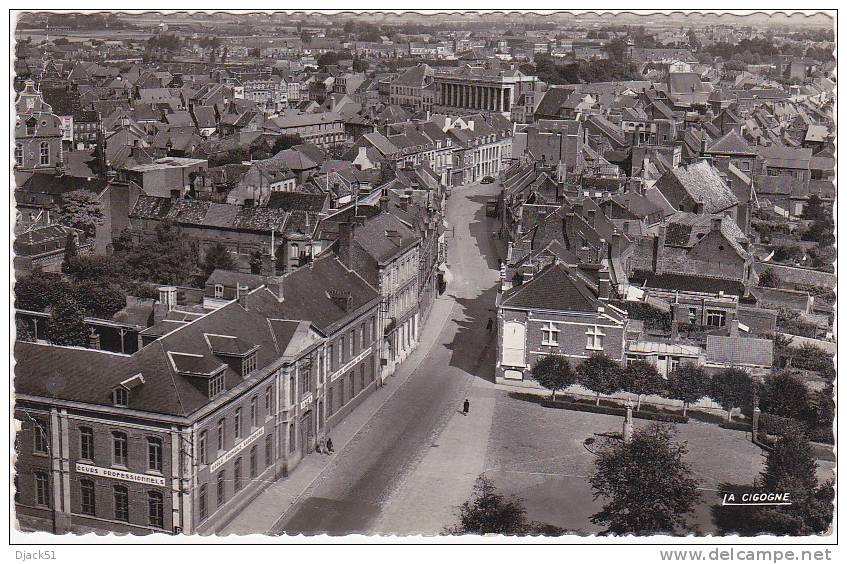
x,y
248,364
120,397
217,385
219,291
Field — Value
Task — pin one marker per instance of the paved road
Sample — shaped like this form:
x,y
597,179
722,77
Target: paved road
x,y
353,491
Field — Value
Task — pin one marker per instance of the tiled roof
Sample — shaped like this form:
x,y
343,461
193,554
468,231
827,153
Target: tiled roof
x,y
553,289
204,213
735,351
733,144
703,184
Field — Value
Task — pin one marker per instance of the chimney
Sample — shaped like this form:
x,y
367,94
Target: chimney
x,y
602,251
603,285
94,340
591,219
404,202
383,204
733,328
274,284
345,238
167,297
716,223
243,292
470,124
702,142
659,251
268,268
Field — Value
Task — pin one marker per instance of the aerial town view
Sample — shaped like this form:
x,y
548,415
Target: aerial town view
x,y
401,274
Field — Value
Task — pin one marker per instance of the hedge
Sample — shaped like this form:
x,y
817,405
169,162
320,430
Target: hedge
x,y
737,426
573,406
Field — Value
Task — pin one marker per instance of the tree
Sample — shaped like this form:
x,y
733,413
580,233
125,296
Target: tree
x,y
821,231
769,279
814,208
642,379
647,485
217,257
256,262
732,388
99,298
490,512
97,268
71,251
791,468
785,395
600,374
66,326
166,257
81,210
688,383
286,142
38,290
554,372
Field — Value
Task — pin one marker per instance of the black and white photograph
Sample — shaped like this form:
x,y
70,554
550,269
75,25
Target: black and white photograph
x,y
418,275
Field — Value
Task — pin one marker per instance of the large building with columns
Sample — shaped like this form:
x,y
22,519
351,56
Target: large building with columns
x,y
477,90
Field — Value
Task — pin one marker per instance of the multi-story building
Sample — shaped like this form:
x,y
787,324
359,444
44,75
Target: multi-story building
x,y
38,132
407,89
179,436
475,89
324,129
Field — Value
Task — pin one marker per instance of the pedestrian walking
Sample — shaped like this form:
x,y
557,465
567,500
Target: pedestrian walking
x,y
329,448
490,325
466,407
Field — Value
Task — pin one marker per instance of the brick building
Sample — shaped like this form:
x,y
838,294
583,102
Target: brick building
x,y
559,311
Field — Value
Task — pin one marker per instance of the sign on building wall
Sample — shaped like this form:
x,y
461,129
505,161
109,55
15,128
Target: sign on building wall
x,y
120,475
229,455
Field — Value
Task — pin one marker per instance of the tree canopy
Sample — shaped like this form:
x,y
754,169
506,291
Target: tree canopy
x,y
600,374
81,209
554,372
646,485
688,383
732,388
641,378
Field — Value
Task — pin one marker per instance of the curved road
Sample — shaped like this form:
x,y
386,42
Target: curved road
x,y
352,492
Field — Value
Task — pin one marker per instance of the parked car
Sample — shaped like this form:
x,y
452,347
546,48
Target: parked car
x,y
487,180
491,207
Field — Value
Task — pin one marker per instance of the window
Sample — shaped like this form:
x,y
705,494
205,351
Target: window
x,y
292,435
45,153
715,317
30,125
120,397
595,338
236,482
87,497
86,443
219,291
342,351
331,356
202,448
154,454
121,497
221,434
362,377
238,423
19,154
352,385
254,412
254,463
248,365
352,343
156,507
202,507
269,392
549,335
119,449
292,389
40,444
329,394
221,487
42,489
692,315
269,450
216,385
341,392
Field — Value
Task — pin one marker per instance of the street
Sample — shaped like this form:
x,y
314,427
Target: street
x,y
363,489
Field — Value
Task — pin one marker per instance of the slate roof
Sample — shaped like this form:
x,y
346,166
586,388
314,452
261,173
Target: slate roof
x,y
731,144
686,283
553,289
373,239
786,157
297,201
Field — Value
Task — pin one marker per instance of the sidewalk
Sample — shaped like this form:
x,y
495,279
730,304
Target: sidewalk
x,y
444,479
260,516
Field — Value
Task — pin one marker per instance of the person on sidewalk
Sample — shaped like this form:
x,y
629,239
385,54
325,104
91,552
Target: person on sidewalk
x,y
490,325
329,448
466,407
